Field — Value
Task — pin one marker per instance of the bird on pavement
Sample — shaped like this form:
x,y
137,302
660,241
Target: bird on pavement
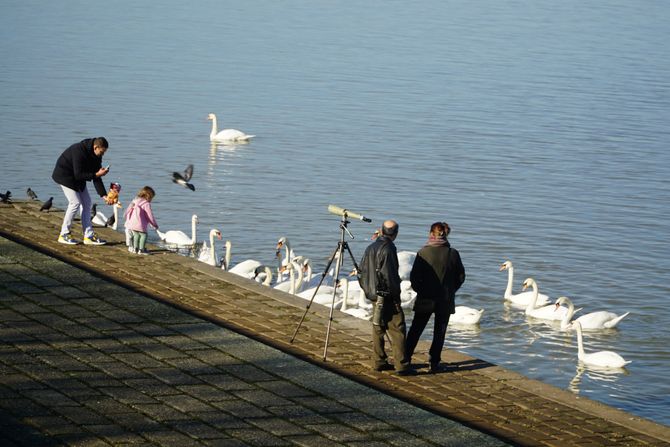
x,y
183,178
46,206
6,197
31,194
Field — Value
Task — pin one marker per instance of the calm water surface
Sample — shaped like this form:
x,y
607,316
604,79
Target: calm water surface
x,y
538,130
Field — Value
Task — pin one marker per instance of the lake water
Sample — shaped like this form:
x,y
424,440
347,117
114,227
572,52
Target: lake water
x,y
538,130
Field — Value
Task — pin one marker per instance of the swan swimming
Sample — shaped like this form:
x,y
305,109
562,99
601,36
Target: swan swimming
x,y
520,299
601,359
466,316
547,312
601,319
180,238
226,135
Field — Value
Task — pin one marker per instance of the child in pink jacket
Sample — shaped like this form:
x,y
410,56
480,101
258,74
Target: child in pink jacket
x,y
138,216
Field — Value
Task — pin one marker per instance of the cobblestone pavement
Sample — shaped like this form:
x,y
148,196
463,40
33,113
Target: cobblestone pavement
x,y
75,355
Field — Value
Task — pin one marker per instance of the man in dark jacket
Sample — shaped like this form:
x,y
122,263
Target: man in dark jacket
x,y
436,275
378,272
78,164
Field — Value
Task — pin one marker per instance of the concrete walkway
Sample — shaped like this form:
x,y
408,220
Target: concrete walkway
x,y
87,361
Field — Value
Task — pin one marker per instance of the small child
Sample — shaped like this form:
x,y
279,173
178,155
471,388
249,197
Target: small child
x,y
138,215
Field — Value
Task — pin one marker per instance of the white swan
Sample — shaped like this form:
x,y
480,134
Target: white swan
x,y
358,312
101,220
601,359
208,254
263,274
520,299
601,319
246,268
226,135
405,263
407,294
548,312
466,316
180,238
283,244
294,282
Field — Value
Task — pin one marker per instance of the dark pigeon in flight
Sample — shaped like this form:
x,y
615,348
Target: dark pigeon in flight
x,y
46,206
183,178
31,194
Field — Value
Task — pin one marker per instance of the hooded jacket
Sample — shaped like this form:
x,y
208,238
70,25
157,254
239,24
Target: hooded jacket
x,y
138,215
77,165
380,258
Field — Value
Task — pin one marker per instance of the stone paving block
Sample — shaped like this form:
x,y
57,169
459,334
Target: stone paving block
x,y
161,413
241,409
225,382
128,396
322,405
338,432
258,437
299,415
320,441
221,420
196,429
261,398
205,392
284,388
362,422
169,437
186,403
172,376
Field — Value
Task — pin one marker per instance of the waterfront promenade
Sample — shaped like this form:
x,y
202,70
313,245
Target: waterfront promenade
x,y
103,347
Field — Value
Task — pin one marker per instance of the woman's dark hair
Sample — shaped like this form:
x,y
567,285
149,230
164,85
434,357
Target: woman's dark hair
x,y
440,228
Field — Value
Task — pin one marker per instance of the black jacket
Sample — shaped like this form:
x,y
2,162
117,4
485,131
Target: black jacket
x,y
380,257
78,165
437,274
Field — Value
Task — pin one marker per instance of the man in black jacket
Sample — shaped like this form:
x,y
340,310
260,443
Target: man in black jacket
x,y
378,272
436,275
78,164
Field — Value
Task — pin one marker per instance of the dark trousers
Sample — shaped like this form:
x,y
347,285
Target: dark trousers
x,y
396,329
439,331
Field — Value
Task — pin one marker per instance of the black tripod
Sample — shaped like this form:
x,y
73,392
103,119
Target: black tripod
x,y
339,254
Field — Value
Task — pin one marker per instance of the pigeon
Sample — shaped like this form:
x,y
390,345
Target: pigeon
x,y
182,179
46,206
6,197
31,194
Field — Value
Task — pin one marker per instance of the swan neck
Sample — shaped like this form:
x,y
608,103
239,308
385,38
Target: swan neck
x,y
533,299
580,342
193,225
510,280
212,254
228,256
116,217
214,127
268,276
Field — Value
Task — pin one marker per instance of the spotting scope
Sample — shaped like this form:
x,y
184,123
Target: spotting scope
x,y
347,213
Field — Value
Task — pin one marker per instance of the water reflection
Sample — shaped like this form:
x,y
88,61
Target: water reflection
x,y
596,374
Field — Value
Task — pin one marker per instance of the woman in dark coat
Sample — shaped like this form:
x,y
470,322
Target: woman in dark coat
x,y
436,275
78,164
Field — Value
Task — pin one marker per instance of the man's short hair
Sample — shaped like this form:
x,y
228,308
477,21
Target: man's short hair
x,y
101,142
390,231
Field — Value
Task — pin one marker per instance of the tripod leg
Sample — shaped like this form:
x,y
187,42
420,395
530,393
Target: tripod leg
x,y
336,282
323,275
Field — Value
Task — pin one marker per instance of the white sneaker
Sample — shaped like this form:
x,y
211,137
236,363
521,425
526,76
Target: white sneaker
x,y
131,249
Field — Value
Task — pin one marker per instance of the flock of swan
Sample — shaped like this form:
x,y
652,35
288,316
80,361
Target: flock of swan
x,y
538,306
294,274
